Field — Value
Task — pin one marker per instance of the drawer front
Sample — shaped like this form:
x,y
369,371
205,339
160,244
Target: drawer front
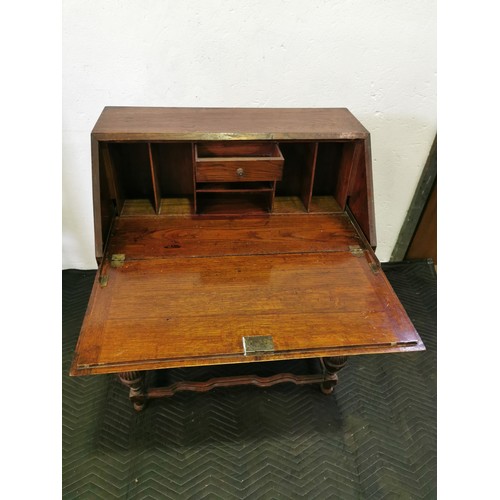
x,y
244,164
239,170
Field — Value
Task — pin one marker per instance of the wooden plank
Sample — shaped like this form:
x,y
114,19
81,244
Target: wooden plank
x,y
308,174
187,311
199,124
154,237
153,164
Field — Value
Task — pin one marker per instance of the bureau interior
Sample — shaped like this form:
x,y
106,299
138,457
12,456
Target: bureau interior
x,y
148,178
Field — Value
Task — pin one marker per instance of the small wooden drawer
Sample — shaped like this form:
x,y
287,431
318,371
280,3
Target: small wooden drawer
x,y
238,162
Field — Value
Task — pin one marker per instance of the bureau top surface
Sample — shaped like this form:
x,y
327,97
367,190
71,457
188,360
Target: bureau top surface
x,y
196,124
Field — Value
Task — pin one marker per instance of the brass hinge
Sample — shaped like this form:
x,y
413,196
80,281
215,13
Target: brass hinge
x,y
117,259
356,251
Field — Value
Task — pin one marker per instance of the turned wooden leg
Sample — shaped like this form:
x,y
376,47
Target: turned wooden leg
x,y
331,366
135,382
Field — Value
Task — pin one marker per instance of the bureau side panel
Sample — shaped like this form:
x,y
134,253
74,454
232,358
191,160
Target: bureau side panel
x,y
360,194
104,209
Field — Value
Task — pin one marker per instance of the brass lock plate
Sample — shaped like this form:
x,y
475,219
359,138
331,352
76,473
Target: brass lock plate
x,y
257,344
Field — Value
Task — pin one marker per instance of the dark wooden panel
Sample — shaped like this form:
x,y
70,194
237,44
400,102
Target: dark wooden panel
x,y
104,208
132,164
327,168
420,198
295,155
360,197
175,169
424,242
351,154
113,180
298,171
308,170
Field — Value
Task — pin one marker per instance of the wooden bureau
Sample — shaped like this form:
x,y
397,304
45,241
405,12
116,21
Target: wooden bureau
x,y
234,236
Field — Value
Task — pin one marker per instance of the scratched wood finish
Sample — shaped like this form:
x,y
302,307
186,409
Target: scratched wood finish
x,y
186,311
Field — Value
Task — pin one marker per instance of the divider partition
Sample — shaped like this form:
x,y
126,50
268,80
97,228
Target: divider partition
x,y
148,178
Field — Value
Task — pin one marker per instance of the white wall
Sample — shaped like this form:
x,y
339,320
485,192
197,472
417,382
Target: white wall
x,y
375,57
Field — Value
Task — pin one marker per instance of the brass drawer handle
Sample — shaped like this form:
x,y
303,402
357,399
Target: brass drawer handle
x,y
240,172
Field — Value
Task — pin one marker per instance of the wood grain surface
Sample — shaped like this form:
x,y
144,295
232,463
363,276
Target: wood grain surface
x,y
154,237
202,124
195,306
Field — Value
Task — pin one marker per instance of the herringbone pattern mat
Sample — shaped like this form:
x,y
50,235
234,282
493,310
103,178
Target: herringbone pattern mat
x,y
374,438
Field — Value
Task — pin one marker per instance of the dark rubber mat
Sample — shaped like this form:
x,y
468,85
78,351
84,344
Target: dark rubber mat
x,y
374,438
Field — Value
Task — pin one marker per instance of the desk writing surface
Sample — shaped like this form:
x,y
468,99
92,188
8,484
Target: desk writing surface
x,y
179,299
153,237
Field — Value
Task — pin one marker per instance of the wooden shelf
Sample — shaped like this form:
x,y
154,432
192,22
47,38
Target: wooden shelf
x,y
288,205
231,203
324,204
137,207
177,206
168,206
294,205
281,205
